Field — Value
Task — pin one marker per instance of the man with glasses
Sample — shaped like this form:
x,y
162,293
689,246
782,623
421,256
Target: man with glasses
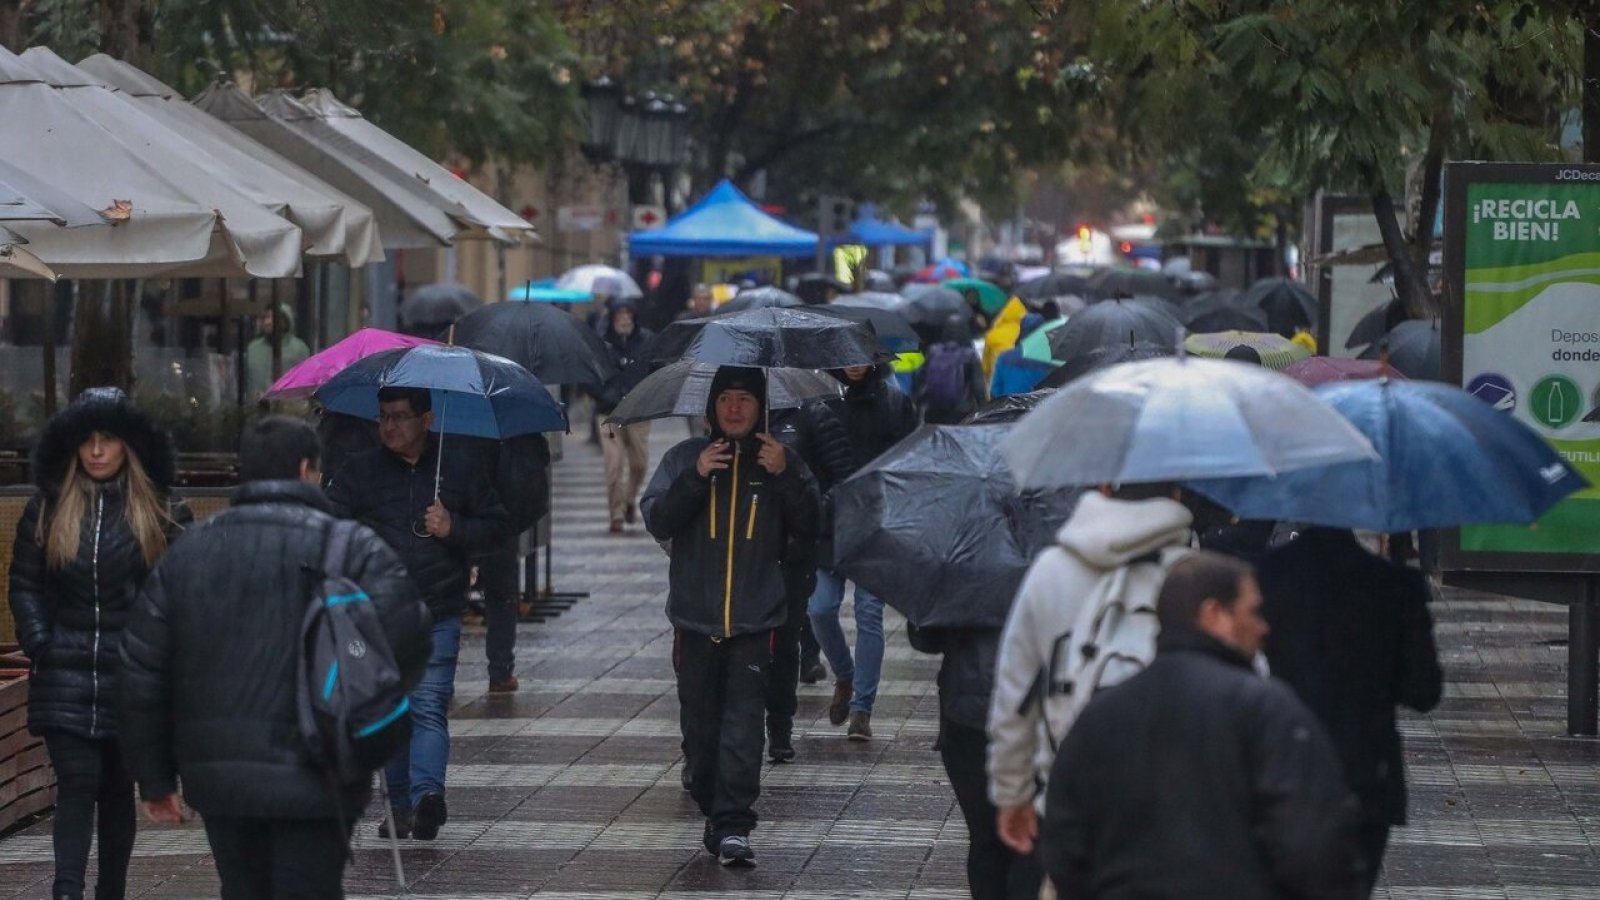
x,y
436,517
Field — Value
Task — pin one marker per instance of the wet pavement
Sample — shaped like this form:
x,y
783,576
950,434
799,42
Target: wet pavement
x,y
570,787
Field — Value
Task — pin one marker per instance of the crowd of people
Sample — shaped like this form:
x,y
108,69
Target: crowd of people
x,y
1155,719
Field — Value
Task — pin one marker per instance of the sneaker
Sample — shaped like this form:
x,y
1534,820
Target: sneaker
x,y
839,709
860,726
506,685
430,815
780,746
616,526
811,669
735,852
631,515
402,823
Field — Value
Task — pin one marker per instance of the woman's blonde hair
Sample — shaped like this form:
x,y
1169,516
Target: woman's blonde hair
x,y
144,507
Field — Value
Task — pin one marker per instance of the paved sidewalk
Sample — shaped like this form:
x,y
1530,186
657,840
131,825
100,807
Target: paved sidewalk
x,y
570,789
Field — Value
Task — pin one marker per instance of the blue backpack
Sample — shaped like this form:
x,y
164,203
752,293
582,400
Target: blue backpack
x,y
353,711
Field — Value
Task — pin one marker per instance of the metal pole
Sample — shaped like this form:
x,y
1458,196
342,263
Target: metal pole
x,y
1583,662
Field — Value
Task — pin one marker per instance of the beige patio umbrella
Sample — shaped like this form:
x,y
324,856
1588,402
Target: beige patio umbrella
x,y
156,227
17,262
24,198
335,224
270,246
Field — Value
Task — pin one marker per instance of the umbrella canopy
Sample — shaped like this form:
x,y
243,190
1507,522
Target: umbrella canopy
x,y
1288,305
1036,345
304,378
334,224
533,292
1271,350
24,198
554,345
1221,311
1055,284
1413,348
15,262
892,329
1109,284
760,298
724,223
1114,323
885,300
474,394
1104,358
684,389
936,527
583,278
1323,369
1175,420
1376,323
943,270
931,305
877,233
437,305
989,296
1006,409
798,338
1445,458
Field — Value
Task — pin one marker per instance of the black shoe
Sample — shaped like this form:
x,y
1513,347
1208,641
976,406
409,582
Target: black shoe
x,y
734,852
811,669
402,823
860,726
431,814
780,746
839,708
710,840
687,777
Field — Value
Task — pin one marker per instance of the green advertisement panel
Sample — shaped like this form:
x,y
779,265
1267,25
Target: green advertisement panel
x,y
1525,254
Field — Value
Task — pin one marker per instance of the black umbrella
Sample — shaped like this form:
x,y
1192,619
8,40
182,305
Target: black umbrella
x,y
1376,324
1110,284
799,338
892,329
1113,323
1098,359
936,527
760,298
547,341
931,305
885,300
684,389
1055,284
1009,408
813,287
1288,305
879,280
1413,349
1222,311
436,305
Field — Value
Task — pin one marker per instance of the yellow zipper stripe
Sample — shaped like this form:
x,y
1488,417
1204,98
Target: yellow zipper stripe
x,y
750,529
733,513
713,506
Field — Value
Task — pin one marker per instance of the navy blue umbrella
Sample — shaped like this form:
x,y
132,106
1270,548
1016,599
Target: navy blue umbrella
x,y
475,394
1445,458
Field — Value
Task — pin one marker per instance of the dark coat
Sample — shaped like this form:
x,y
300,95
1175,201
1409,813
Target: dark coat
x,y
208,688
853,430
628,353
1352,635
966,673
729,534
391,496
1198,778
69,621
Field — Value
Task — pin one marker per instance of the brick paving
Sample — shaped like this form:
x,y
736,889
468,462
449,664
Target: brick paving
x,y
569,788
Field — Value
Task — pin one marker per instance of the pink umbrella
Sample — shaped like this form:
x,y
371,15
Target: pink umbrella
x,y
1323,369
301,381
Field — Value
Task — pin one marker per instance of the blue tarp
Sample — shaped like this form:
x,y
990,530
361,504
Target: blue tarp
x,y
876,233
724,223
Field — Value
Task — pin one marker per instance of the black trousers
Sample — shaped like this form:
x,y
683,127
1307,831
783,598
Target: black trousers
x,y
1374,840
497,575
90,774
279,859
788,646
722,689
994,871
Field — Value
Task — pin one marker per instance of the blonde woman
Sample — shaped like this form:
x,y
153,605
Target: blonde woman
x,y
98,521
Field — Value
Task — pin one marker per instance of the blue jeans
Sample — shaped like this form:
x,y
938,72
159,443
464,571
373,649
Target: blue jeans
x,y
862,671
418,769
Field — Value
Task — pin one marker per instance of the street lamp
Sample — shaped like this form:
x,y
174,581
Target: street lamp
x,y
602,97
656,133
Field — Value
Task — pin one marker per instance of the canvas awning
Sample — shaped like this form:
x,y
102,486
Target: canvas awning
x,y
335,225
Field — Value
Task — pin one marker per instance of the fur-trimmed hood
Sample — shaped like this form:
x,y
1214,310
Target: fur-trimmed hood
x,y
108,410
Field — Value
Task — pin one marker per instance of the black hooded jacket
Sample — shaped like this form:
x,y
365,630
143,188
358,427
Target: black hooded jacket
x,y
209,659
69,621
628,355
728,533
853,430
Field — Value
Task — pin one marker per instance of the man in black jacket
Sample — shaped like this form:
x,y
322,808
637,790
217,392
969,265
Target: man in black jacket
x,y
626,448
729,504
436,517
1352,635
1199,778
209,673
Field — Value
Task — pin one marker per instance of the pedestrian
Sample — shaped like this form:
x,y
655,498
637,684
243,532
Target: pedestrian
x,y
1352,635
521,467
626,448
100,516
261,370
1015,373
1198,777
701,303
1082,619
435,522
951,383
853,430
1003,334
211,670
729,503
966,687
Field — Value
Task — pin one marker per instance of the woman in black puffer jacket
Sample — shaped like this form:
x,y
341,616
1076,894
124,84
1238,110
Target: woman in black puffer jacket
x,y
100,518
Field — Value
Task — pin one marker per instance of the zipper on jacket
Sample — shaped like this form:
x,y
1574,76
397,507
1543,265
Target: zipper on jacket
x,y
733,518
94,659
713,506
750,527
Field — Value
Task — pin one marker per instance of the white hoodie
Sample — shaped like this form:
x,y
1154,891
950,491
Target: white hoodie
x,y
1027,719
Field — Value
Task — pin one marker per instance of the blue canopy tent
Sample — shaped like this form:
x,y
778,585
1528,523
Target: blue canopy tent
x,y
724,223
877,233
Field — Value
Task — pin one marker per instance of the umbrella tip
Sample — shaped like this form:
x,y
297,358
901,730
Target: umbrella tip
x,y
450,340
1183,336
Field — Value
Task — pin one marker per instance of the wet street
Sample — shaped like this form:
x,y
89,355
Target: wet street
x,y
570,787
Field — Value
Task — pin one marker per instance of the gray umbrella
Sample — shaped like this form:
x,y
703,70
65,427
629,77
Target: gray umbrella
x,y
1114,323
1288,305
760,298
684,388
1413,349
437,305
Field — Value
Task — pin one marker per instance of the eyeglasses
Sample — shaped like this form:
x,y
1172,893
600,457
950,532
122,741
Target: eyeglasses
x,y
397,418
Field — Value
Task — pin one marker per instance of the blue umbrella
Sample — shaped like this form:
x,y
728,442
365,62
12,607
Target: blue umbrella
x,y
475,394
1445,458
545,291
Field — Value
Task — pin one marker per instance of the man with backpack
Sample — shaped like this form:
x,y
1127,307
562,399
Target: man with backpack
x,y
213,677
1083,619
951,384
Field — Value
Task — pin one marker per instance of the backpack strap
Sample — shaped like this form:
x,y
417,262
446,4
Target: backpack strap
x,y
336,548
